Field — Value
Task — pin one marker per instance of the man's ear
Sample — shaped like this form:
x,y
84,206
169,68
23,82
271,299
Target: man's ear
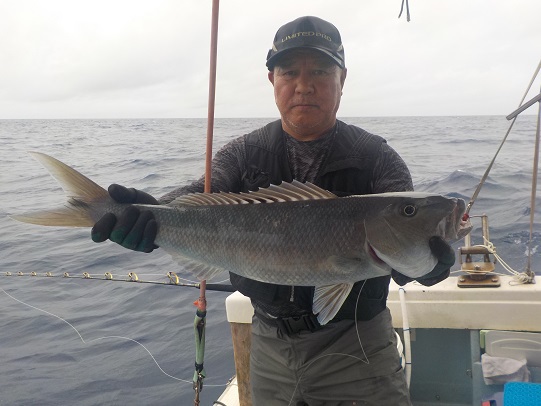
x,y
343,76
271,76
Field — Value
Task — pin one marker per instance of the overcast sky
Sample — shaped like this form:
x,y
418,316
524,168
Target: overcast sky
x,y
133,58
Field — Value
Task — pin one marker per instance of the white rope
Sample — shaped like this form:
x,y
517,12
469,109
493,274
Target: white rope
x,y
518,277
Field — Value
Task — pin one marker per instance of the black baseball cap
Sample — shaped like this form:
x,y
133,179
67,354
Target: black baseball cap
x,y
307,32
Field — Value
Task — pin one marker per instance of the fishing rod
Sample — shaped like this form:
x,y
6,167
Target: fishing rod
x,y
201,302
513,116
173,279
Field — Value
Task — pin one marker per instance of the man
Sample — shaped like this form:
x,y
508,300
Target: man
x,y
352,360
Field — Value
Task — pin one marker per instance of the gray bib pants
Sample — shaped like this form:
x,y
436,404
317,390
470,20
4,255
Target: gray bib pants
x,y
332,366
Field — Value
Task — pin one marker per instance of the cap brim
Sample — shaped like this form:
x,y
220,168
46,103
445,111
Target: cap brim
x,y
272,60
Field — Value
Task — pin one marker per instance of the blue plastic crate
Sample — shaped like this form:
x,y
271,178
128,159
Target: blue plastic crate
x,y
522,394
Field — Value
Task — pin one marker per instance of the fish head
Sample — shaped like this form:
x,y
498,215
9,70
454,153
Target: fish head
x,y
397,234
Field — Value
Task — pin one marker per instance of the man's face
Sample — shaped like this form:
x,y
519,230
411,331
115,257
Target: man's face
x,y
307,89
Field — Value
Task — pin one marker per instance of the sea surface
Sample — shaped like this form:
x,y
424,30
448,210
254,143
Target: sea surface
x,y
44,360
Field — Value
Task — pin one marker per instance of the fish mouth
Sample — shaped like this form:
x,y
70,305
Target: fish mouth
x,y
452,227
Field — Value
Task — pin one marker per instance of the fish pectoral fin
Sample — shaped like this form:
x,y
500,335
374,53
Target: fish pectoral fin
x,y
328,300
202,271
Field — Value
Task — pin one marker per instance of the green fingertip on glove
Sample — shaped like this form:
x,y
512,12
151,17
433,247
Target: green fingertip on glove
x,y
134,229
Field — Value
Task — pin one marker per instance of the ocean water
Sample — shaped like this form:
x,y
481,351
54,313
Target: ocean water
x,y
43,359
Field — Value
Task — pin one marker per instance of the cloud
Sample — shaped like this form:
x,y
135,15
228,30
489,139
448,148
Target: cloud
x,y
69,59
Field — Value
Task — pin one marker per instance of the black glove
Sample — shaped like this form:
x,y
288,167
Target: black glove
x,y
134,229
446,259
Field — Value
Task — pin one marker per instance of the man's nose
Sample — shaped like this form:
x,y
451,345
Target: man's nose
x,y
305,83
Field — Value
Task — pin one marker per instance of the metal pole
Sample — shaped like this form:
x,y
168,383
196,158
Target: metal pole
x,y
535,172
529,103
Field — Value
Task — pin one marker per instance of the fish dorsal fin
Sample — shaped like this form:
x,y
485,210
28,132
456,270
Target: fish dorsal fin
x,y
285,192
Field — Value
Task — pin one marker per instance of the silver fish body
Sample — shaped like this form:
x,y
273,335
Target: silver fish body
x,y
310,243
293,234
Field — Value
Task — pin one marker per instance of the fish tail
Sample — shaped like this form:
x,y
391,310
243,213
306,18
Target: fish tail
x,y
82,193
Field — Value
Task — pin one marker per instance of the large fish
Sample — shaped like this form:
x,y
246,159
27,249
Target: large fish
x,y
292,234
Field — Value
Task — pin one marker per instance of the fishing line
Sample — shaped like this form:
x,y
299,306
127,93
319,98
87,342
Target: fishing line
x,y
407,9
104,338
365,360
357,324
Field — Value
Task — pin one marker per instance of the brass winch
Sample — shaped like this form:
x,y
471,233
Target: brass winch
x,y
478,262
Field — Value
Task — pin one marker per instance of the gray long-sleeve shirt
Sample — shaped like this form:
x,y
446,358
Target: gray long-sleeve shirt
x,y
390,173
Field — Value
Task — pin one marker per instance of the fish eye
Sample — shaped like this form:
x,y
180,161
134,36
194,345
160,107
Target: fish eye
x,y
409,210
